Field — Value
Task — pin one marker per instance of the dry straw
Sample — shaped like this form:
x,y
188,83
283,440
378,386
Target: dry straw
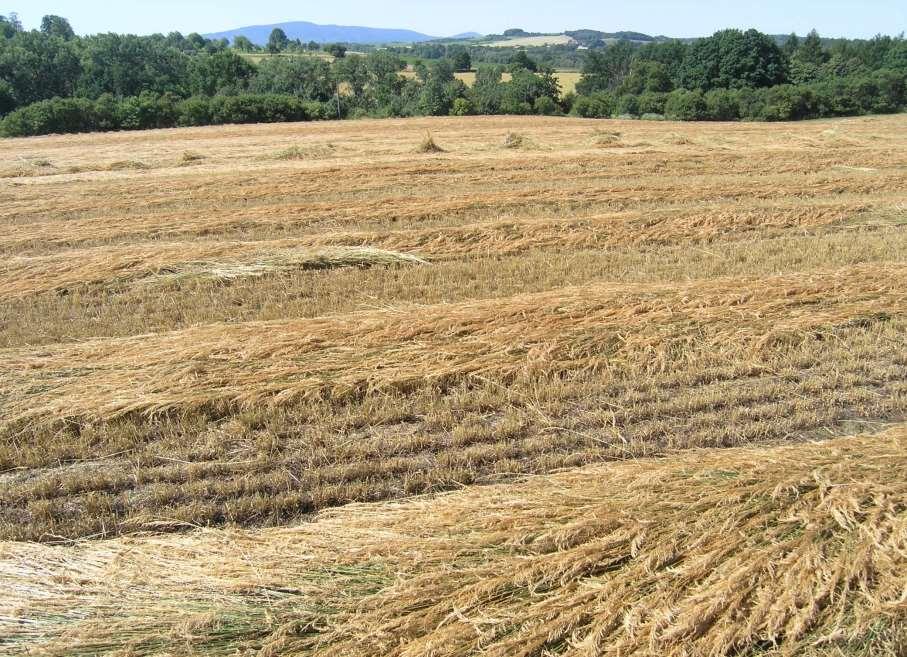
x,y
593,327
771,551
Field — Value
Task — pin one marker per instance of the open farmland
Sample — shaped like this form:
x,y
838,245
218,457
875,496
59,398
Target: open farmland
x,y
531,41
694,334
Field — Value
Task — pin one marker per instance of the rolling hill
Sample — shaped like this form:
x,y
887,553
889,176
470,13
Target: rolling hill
x,y
305,31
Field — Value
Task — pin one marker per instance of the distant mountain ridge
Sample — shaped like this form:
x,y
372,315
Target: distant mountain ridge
x,y
305,31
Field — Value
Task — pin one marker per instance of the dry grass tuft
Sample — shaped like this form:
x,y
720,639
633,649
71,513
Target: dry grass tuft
x,y
189,158
606,138
428,145
769,551
297,152
515,140
124,165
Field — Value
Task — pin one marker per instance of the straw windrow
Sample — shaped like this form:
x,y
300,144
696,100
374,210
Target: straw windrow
x,y
590,327
795,550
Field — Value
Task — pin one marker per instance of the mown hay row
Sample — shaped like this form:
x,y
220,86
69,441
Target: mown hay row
x,y
769,551
587,327
24,276
119,263
418,207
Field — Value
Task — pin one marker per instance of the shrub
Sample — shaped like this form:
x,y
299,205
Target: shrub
x,y
722,105
461,107
57,115
683,105
788,103
628,105
652,102
546,106
597,106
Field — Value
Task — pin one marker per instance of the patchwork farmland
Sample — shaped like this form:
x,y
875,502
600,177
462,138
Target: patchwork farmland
x,y
550,387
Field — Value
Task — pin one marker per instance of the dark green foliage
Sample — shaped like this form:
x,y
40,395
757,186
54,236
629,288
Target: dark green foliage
x,y
646,76
57,26
462,60
337,50
306,77
222,72
148,110
599,105
652,102
440,90
732,59
36,66
126,65
277,41
243,44
683,105
54,81
9,26
884,91
722,105
523,62
607,69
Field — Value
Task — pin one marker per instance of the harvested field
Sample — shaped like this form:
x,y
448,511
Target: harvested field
x,y
626,340
770,551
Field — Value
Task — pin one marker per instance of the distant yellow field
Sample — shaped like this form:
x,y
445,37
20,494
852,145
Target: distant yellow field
x,y
527,42
567,79
258,57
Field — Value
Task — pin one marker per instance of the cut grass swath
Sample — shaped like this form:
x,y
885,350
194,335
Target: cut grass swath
x,y
769,551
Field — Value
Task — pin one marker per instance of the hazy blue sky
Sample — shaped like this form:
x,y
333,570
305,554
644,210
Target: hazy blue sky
x,y
680,18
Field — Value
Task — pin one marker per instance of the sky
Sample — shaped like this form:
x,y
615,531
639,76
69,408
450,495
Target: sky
x,y
683,18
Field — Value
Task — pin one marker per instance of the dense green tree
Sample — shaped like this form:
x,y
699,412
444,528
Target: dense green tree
x,y
36,66
305,77
277,41
336,50
10,25
127,65
522,62
353,71
7,98
440,89
487,92
244,44
791,45
196,41
811,50
607,69
385,82
524,89
222,72
732,59
646,76
684,105
462,60
57,26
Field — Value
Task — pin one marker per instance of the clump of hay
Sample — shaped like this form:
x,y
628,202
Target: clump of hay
x,y
304,259
190,157
428,145
515,140
680,140
124,165
297,152
607,137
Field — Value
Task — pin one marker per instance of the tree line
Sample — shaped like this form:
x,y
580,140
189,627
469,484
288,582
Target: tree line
x,y
52,80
